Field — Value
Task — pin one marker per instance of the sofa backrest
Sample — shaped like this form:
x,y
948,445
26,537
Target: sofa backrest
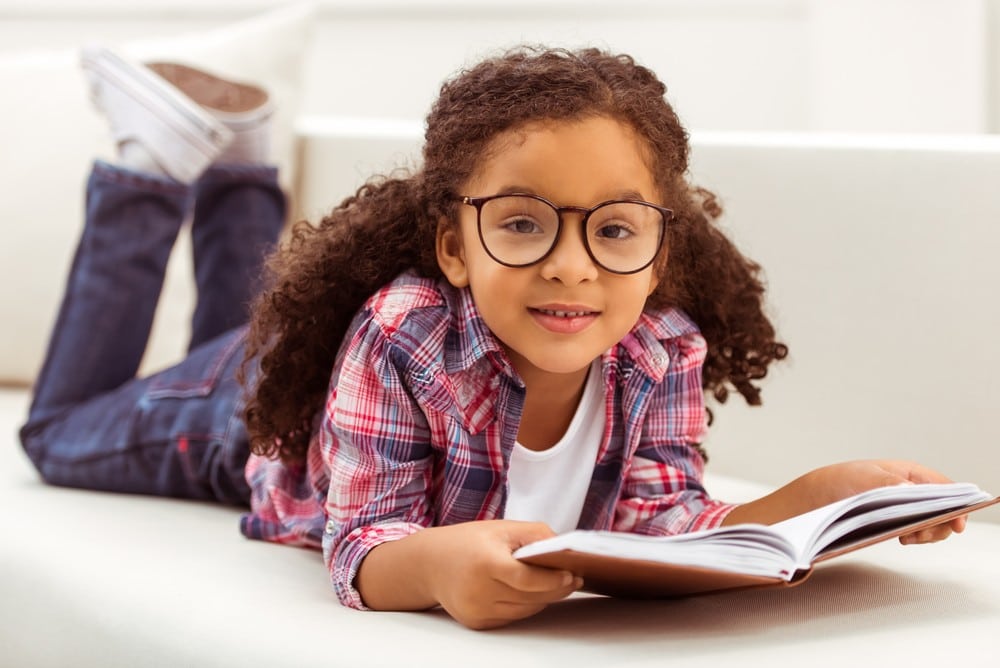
x,y
880,257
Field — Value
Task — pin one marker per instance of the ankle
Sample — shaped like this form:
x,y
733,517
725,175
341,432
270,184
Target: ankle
x,y
251,131
135,157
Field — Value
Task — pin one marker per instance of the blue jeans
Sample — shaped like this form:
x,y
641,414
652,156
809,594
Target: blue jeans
x,y
180,432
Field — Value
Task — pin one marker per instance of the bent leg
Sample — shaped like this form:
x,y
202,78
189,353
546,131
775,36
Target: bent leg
x,y
113,286
177,433
238,215
92,424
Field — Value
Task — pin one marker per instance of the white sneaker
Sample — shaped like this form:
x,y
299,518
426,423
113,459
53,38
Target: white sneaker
x,y
141,106
245,109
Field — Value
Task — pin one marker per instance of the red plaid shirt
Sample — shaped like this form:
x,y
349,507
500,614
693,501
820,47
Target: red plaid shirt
x,y
422,416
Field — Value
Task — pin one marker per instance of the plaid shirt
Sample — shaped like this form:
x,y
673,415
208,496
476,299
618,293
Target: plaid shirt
x,y
422,416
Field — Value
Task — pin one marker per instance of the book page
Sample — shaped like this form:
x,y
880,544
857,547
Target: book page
x,y
877,509
752,549
749,555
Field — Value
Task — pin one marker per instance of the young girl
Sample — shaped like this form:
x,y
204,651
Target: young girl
x,y
514,340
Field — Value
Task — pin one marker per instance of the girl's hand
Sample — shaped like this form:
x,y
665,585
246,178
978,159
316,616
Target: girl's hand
x,y
483,586
468,570
838,481
850,478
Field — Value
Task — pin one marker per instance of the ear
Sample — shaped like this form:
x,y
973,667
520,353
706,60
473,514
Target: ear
x,y
451,254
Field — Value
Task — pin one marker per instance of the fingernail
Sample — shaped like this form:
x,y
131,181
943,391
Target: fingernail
x,y
577,582
568,579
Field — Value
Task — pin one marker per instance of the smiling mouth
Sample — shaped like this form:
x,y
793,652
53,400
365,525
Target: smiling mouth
x,y
564,314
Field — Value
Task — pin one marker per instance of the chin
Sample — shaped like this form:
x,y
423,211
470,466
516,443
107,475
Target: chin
x,y
563,367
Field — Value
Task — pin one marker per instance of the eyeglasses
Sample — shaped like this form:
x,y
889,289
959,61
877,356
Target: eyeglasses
x,y
621,236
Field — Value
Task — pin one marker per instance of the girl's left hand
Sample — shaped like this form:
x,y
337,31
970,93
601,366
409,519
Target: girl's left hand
x,y
850,478
838,481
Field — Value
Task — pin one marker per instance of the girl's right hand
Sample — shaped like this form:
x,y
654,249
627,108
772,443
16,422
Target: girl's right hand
x,y
482,586
468,569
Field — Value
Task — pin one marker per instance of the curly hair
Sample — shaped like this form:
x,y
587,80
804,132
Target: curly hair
x,y
323,274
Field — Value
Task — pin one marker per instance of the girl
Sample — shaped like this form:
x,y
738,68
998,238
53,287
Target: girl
x,y
514,340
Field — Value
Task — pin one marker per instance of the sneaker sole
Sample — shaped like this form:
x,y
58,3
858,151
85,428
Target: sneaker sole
x,y
152,93
210,91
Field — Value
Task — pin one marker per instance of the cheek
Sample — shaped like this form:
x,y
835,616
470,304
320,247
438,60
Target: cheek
x,y
654,281
642,290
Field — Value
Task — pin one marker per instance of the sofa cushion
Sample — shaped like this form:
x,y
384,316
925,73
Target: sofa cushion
x,y
50,135
97,579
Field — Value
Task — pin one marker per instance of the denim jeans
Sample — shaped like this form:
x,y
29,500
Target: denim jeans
x,y
92,422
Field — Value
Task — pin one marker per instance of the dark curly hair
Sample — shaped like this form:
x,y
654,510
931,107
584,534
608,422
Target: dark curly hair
x,y
323,273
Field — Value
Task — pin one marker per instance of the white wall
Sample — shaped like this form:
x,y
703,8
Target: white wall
x,y
853,65
904,65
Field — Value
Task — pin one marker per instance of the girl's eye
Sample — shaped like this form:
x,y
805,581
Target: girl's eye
x,y
523,226
614,231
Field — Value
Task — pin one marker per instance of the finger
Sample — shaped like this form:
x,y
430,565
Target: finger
x,y
920,474
928,535
520,534
938,531
504,613
884,473
518,610
525,578
520,596
506,605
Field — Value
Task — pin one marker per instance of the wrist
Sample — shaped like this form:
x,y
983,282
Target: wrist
x,y
797,497
398,574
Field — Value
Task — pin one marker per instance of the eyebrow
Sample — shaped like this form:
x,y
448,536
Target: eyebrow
x,y
618,195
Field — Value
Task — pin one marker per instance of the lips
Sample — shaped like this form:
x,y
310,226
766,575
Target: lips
x,y
564,314
569,319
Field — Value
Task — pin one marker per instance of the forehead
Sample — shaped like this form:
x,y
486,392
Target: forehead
x,y
575,162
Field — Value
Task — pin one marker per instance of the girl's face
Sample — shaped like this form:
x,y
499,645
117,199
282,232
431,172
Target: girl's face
x,y
556,316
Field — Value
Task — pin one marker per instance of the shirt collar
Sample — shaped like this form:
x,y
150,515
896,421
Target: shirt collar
x,y
644,344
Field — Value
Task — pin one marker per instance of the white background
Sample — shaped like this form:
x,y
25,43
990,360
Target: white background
x,y
800,65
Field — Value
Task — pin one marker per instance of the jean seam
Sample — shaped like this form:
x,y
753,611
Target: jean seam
x,y
49,457
203,386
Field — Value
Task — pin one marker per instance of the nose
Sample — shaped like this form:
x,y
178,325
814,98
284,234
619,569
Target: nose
x,y
569,262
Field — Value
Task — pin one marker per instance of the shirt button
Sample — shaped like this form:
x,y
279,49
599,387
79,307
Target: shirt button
x,y
660,360
331,526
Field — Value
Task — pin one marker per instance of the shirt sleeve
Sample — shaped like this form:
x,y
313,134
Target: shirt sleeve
x,y
663,492
376,444
285,507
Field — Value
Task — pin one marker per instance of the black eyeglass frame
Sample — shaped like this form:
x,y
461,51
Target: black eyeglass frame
x,y
666,215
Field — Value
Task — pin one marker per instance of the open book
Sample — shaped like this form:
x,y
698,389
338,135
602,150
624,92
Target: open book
x,y
749,555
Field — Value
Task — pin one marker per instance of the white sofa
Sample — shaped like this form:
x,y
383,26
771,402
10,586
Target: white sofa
x,y
861,240
880,254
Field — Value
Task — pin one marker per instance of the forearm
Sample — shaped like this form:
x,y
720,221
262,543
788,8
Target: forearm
x,y
468,569
395,574
795,498
828,484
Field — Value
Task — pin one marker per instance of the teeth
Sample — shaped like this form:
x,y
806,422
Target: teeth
x,y
563,314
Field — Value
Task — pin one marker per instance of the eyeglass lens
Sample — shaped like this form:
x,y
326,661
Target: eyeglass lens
x,y
519,230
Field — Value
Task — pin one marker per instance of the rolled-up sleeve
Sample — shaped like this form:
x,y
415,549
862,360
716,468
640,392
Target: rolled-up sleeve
x,y
376,444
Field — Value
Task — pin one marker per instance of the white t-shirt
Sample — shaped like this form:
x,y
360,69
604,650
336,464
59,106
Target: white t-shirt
x,y
551,485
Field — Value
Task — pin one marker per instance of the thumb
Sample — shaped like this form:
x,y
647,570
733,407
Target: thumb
x,y
522,533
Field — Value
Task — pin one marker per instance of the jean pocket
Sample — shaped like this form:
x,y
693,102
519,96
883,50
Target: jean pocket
x,y
201,371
